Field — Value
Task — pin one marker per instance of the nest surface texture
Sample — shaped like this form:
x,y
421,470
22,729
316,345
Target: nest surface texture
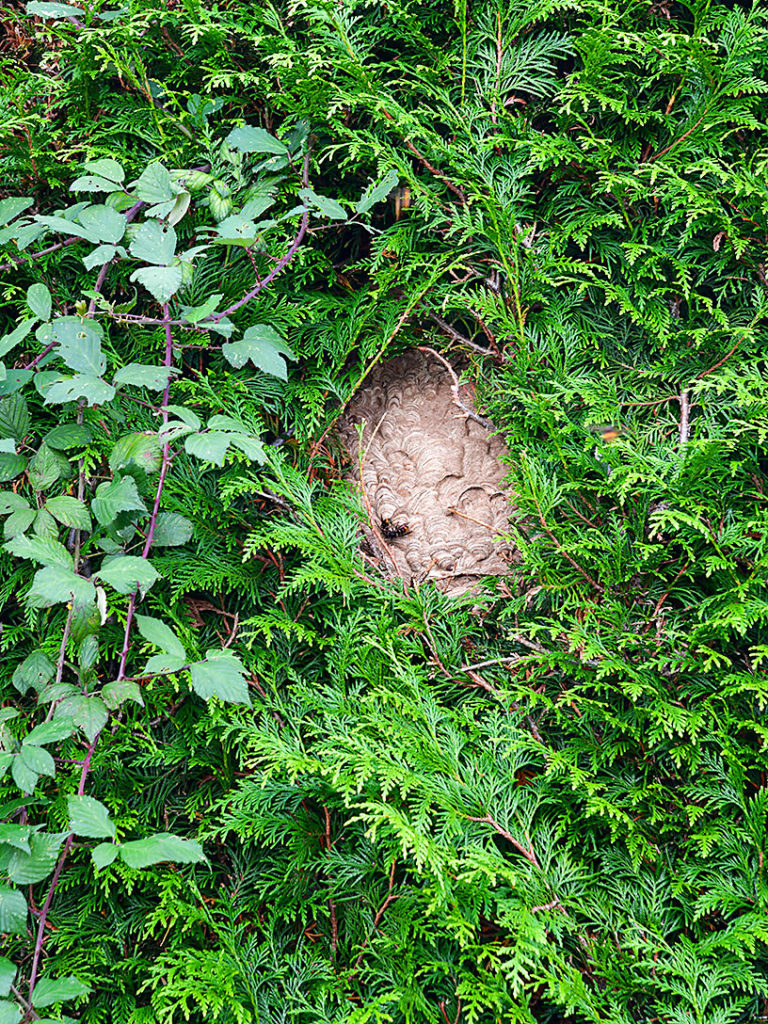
x,y
428,466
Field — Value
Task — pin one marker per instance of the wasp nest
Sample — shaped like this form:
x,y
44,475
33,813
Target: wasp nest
x,y
431,473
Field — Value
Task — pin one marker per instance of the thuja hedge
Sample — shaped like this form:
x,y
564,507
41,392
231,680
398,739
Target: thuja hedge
x,y
251,778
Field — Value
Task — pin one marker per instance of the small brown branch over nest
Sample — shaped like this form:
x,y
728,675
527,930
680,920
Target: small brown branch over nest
x,y
457,401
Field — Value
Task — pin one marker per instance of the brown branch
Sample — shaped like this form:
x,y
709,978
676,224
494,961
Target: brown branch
x,y
562,550
529,854
470,413
390,898
683,136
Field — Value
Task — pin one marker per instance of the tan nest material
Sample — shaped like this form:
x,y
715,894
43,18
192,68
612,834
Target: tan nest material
x,y
431,464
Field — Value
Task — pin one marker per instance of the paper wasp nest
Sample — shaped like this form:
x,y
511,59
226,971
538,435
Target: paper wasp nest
x,y
430,467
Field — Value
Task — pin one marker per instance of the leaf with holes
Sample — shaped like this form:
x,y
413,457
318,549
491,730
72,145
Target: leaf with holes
x,y
327,207
79,344
376,192
82,385
35,671
154,243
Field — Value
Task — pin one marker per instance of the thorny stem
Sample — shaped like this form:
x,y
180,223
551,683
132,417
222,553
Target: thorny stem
x,y
164,466
166,461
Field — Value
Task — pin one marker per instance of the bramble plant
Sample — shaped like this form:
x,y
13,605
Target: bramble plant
x,y
544,801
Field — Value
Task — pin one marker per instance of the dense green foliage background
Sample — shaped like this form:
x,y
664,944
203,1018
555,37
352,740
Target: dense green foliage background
x,y
544,803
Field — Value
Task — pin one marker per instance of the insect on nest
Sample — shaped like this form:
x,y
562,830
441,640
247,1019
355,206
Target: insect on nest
x,y
392,530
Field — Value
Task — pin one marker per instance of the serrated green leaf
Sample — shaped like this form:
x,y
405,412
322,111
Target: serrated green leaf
x,y
14,417
99,256
194,314
154,243
45,467
39,300
155,185
161,282
220,675
46,9
18,522
82,385
35,671
88,713
104,854
376,192
37,759
142,376
248,139
162,664
79,344
50,732
7,975
16,836
106,167
328,207
263,346
128,574
11,466
115,496
40,549
10,208
12,502
104,223
211,447
27,869
18,334
161,635
10,1012
68,435
92,183
143,853
69,512
45,526
24,776
89,817
57,585
119,691
57,990
171,530
13,911
144,450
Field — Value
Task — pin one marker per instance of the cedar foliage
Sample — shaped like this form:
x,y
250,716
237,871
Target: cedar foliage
x,y
575,830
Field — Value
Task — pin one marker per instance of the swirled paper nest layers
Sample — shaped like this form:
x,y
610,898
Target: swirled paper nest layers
x,y
429,465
